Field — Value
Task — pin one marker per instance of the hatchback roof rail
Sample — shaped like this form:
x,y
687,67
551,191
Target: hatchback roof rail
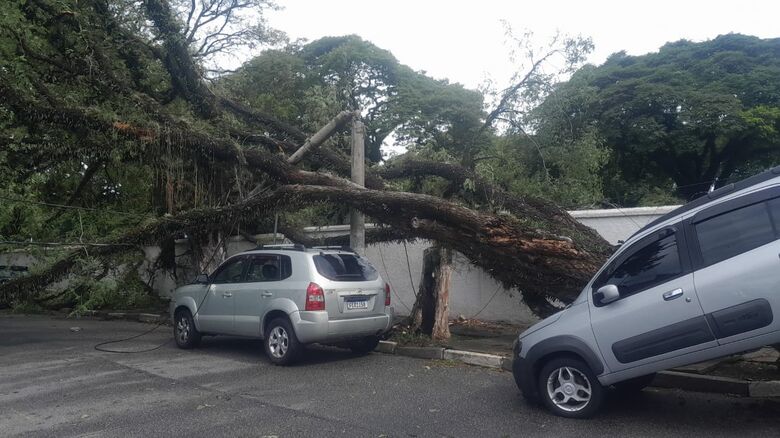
x,y
336,247
287,246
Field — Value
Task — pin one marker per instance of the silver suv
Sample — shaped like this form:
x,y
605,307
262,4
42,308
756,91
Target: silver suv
x,y
289,296
698,283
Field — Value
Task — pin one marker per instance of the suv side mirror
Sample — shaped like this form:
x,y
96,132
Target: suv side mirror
x,y
202,279
607,294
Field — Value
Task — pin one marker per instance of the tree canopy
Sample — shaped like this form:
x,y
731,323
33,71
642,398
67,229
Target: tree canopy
x,y
680,120
115,133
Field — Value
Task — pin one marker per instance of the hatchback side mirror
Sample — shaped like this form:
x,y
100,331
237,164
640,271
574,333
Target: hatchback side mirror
x,y
202,279
607,294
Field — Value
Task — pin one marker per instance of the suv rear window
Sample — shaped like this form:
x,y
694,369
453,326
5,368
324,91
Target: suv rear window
x,y
734,233
344,267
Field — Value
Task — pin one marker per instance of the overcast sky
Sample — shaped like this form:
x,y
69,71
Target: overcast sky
x,y
464,41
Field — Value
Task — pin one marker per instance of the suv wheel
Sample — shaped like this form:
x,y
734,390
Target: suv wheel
x,y
281,344
364,345
569,388
184,331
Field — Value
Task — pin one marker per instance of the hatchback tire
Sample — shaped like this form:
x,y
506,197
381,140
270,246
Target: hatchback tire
x,y
365,345
568,388
281,344
184,331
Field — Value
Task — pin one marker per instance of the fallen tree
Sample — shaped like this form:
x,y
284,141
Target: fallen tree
x,y
524,242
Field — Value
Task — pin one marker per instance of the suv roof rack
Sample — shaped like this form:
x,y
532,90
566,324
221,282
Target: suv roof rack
x,y
336,247
719,193
287,246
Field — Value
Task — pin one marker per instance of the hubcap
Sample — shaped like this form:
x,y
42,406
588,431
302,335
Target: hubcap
x,y
182,329
278,342
569,389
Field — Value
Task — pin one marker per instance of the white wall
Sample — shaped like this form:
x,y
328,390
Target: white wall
x,y
474,294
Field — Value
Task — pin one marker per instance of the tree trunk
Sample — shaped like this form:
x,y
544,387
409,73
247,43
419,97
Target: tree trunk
x,y
441,319
424,309
430,313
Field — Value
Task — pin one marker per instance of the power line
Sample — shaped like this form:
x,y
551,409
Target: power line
x,y
382,257
74,207
70,244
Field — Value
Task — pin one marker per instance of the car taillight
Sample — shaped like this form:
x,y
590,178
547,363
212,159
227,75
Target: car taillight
x,y
315,297
387,294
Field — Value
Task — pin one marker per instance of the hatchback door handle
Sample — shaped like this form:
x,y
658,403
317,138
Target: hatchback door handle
x,y
672,294
266,294
226,294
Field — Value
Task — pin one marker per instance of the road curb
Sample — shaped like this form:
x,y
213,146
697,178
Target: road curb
x,y
468,357
472,358
769,388
701,383
421,352
664,379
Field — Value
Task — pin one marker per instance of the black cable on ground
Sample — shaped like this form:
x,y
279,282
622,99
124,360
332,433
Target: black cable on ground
x,y
99,346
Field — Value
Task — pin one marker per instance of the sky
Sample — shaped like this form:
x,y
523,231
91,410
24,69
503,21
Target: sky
x,y
465,41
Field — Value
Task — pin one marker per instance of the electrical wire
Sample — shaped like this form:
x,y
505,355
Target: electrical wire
x,y
99,346
392,288
409,267
488,302
75,207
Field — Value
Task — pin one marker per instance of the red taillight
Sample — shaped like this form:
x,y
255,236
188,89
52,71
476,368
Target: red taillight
x,y
315,297
387,294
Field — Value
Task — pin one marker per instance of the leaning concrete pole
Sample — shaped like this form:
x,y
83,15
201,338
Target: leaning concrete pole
x,y
357,228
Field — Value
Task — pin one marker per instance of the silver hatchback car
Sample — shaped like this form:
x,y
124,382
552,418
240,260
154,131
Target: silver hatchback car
x,y
698,283
289,296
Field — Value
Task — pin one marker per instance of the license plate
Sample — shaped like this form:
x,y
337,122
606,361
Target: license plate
x,y
357,304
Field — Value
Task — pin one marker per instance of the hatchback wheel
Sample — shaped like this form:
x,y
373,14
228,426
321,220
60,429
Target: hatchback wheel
x,y
569,388
184,331
281,344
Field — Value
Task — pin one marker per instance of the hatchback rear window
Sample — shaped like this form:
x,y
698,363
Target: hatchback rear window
x,y
344,267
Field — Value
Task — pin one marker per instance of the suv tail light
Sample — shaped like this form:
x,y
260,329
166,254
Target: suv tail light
x,y
387,294
315,297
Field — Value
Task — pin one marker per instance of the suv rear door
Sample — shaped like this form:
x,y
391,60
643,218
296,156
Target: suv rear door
x,y
352,286
658,315
735,255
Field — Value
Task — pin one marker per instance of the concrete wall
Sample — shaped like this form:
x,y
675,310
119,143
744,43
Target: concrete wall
x,y
618,224
474,295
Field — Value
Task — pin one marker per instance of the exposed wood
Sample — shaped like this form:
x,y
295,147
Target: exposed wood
x,y
443,277
320,136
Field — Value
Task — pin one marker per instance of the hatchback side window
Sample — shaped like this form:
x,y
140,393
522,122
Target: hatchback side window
x,y
268,267
734,232
231,272
655,263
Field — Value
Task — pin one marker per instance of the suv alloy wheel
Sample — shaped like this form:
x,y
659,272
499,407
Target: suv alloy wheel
x,y
569,388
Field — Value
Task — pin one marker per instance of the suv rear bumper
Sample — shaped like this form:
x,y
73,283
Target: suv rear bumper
x,y
313,327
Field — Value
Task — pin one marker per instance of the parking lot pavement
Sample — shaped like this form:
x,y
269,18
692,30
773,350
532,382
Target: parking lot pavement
x,y
53,383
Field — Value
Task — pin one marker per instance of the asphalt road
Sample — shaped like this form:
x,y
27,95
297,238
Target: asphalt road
x,y
53,383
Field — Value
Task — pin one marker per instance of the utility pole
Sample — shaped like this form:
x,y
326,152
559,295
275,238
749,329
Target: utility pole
x,y
357,226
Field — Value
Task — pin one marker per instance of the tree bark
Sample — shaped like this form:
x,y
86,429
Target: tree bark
x,y
424,308
430,314
443,276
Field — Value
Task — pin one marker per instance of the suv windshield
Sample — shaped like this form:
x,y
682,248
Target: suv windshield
x,y
344,267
